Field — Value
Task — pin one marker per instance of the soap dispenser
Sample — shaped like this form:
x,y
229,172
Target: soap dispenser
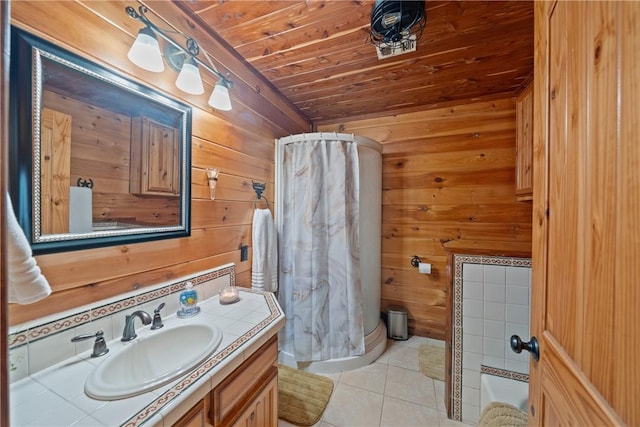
x,y
188,302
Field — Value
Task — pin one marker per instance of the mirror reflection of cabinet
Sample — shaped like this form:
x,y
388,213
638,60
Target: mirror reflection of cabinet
x,y
55,170
155,158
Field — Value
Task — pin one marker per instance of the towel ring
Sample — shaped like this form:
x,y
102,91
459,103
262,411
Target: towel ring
x,y
259,188
255,202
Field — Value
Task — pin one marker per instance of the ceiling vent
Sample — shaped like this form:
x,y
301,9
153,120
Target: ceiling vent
x,y
396,26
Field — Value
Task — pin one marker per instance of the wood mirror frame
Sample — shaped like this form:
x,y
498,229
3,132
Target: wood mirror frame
x,y
131,147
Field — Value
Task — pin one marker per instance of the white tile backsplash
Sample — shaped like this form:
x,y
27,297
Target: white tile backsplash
x,y
494,293
473,308
473,290
47,341
46,352
493,347
494,311
495,305
518,295
494,329
472,343
473,273
518,276
473,325
495,274
518,314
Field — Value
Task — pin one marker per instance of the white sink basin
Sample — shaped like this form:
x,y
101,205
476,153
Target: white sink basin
x,y
152,361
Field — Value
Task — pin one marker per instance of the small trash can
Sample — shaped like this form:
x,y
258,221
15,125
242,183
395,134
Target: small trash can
x,y
397,323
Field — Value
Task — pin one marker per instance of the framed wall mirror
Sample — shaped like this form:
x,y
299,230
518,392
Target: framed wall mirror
x,y
95,159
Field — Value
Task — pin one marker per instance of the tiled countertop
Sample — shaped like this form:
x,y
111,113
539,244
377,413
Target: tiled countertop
x,y
55,396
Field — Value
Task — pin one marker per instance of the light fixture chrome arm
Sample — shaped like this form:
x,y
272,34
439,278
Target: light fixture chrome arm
x,y
192,48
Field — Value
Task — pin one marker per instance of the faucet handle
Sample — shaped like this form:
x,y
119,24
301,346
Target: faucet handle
x,y
99,346
157,320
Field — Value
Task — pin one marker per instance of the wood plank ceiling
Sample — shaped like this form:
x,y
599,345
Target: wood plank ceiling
x,y
318,53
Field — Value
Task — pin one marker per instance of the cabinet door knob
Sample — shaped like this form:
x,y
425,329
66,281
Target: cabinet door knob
x,y
517,345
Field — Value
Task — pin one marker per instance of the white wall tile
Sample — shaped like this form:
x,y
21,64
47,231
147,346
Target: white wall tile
x,y
46,352
494,311
493,347
471,360
494,293
470,396
471,378
473,326
18,363
518,295
494,362
518,276
470,413
511,355
472,290
472,343
517,329
494,329
517,314
472,272
512,365
495,274
472,308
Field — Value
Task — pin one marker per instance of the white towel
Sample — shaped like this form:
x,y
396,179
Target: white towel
x,y
26,283
264,267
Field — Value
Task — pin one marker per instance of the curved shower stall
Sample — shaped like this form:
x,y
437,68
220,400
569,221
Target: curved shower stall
x,y
362,158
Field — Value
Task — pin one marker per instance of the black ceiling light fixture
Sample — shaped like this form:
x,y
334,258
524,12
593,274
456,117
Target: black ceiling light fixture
x,y
396,26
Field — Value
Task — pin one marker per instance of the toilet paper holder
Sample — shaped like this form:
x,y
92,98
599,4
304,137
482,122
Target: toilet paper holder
x,y
415,261
424,268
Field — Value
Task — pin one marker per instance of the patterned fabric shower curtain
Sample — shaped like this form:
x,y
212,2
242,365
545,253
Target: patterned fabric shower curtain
x,y
319,278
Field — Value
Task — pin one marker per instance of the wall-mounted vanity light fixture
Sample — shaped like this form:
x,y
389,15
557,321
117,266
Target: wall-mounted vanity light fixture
x,y
212,176
145,53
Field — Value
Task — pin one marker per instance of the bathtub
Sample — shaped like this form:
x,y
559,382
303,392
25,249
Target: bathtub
x,y
500,389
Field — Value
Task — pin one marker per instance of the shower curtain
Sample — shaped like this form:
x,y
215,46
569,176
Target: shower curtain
x,y
319,251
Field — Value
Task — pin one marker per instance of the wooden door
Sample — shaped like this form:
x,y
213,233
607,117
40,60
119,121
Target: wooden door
x,y
4,148
586,249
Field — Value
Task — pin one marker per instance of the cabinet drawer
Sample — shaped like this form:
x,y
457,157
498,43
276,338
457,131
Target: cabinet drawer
x,y
250,375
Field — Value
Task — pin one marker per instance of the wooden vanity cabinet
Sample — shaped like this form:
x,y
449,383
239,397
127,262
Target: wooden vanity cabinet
x,y
263,408
195,417
250,392
155,158
247,397
524,145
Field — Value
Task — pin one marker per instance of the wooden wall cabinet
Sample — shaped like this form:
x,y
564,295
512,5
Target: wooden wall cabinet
x,y
155,158
524,145
247,397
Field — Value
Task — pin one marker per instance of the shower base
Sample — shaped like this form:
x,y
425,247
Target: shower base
x,y
374,345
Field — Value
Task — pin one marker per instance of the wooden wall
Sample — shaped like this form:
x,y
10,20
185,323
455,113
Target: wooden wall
x,y
448,182
239,142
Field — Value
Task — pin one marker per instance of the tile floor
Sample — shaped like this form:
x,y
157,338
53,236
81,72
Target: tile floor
x,y
389,392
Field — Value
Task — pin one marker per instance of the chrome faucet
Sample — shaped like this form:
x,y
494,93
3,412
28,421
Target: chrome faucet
x,y
129,332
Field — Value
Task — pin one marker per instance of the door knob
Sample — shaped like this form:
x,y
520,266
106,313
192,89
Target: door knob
x,y
517,345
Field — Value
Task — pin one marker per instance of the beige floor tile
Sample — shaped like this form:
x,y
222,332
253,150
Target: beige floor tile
x,y
415,341
404,357
411,386
400,413
392,345
409,399
353,407
371,377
